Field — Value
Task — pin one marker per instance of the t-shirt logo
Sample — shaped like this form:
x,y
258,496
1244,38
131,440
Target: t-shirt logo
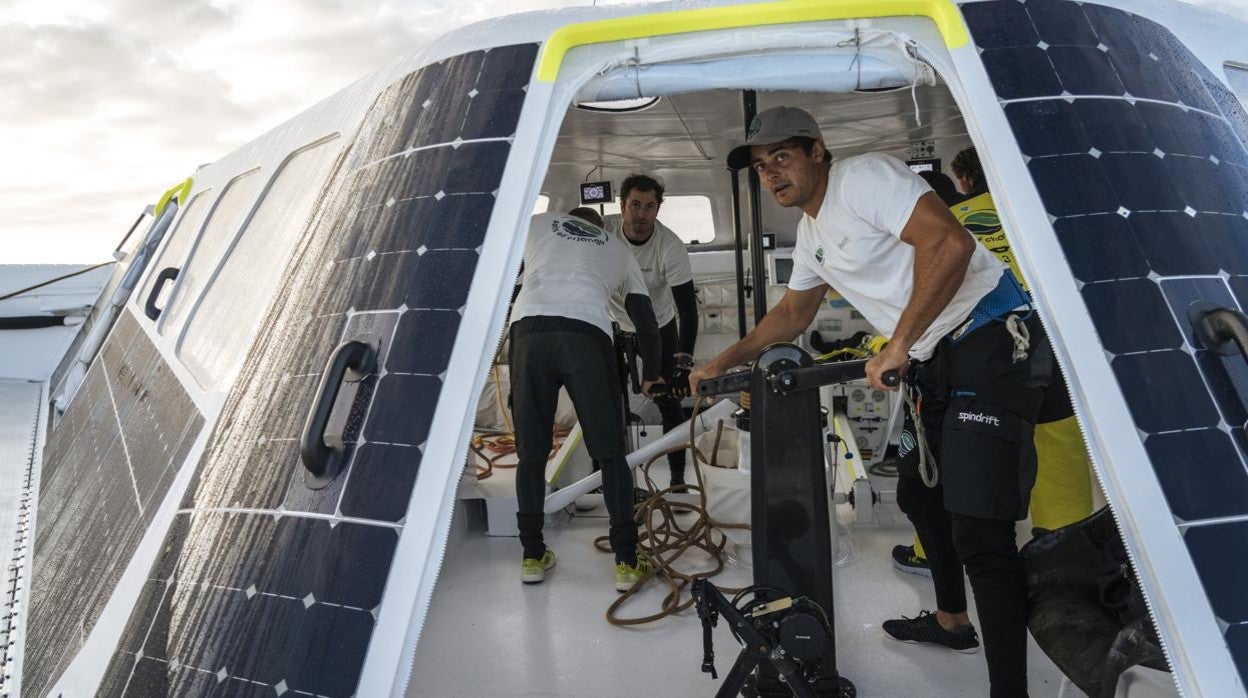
x,y
819,254
907,444
575,230
982,222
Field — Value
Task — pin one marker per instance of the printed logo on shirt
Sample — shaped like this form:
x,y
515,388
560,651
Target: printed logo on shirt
x,y
572,229
906,445
979,417
819,254
982,222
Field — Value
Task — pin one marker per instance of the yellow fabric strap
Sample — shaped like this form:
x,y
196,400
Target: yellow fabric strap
x,y
178,191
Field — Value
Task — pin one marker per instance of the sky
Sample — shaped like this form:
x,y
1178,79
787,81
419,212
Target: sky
x,y
104,104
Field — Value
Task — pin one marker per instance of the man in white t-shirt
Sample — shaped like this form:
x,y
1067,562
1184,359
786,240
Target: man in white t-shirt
x,y
664,263
561,337
958,324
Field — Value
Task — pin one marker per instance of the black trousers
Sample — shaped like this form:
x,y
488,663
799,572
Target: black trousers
x,y
669,407
548,353
979,407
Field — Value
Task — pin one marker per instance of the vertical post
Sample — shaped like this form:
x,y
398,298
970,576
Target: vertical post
x,y
758,267
790,513
739,252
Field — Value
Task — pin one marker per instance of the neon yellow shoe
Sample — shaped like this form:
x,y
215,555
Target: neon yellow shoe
x,y
533,570
627,575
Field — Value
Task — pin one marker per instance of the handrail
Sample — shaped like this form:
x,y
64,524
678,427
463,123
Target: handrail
x,y
314,453
166,275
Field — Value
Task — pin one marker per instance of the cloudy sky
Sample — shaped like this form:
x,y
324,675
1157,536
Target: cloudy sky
x,y
106,103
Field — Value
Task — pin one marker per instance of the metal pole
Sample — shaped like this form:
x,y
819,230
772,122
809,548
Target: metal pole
x,y
739,252
758,266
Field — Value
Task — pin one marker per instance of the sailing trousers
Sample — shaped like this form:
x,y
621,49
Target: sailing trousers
x,y
549,353
979,404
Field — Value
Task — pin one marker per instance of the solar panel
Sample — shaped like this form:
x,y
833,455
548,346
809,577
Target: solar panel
x,y
1137,152
107,466
267,586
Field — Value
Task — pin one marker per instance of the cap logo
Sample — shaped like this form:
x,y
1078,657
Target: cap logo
x,y
753,129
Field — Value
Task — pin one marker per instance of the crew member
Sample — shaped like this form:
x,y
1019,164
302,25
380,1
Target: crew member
x,y
665,265
959,328
1063,490
561,337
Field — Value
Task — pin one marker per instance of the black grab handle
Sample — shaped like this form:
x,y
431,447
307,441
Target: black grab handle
x,y
165,276
354,355
1222,330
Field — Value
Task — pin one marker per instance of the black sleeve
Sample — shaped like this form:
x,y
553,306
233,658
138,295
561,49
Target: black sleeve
x,y
642,314
687,312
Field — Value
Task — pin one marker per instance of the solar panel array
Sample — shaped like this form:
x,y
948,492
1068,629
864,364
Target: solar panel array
x,y
106,469
1138,152
264,586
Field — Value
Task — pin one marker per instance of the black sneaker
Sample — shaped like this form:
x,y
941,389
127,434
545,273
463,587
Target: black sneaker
x,y
905,560
925,628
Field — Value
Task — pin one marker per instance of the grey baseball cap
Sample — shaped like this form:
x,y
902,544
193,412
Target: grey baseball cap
x,y
772,126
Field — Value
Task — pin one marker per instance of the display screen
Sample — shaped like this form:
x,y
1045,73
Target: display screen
x,y
596,192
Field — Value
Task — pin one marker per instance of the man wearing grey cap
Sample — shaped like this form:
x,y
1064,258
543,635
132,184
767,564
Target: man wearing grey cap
x,y
961,331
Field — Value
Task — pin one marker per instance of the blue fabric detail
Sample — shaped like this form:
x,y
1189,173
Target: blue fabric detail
x,y
996,304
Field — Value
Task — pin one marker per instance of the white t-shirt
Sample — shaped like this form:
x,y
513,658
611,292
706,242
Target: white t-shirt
x,y
664,263
855,246
572,269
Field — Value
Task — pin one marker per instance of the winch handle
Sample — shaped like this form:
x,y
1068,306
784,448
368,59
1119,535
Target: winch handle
x,y
793,379
731,383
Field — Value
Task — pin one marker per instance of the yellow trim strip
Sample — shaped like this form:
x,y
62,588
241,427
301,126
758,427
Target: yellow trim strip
x,y
943,12
178,191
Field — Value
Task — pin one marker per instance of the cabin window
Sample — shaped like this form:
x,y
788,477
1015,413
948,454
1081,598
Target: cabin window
x,y
175,247
1237,78
223,324
689,216
226,217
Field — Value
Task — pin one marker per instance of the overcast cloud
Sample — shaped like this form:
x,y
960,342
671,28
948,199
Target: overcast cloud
x,y
106,103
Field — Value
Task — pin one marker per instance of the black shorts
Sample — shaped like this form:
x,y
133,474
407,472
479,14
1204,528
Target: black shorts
x,y
979,409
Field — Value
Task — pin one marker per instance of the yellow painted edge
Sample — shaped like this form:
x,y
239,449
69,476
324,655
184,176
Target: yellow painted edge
x,y
179,190
943,12
569,445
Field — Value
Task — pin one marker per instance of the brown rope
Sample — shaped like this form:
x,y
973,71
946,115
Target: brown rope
x,y
492,447
665,540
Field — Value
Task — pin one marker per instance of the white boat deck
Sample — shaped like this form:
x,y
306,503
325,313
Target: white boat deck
x,y
488,634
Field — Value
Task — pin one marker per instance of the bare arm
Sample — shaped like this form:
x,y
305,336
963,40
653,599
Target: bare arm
x,y
791,316
942,252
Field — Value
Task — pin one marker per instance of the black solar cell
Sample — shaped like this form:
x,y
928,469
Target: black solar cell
x,y
1200,472
1218,551
1047,127
1061,23
1100,247
1164,391
1020,72
1084,70
1116,308
1000,24
1073,185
